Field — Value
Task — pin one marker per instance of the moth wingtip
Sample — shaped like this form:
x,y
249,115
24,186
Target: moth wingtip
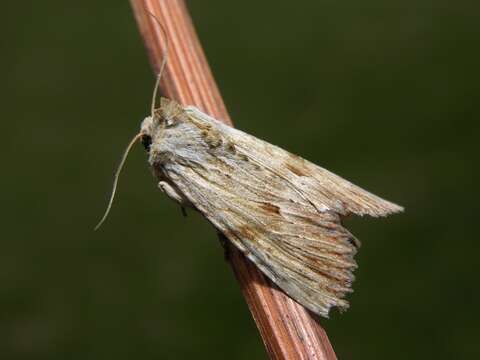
x,y
393,208
382,210
398,209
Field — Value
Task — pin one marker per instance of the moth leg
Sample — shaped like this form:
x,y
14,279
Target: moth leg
x,y
173,194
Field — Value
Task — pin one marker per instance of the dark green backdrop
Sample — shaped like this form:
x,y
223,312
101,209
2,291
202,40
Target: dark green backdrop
x,y
384,93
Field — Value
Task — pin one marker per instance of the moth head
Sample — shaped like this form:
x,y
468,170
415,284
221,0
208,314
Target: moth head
x,y
167,116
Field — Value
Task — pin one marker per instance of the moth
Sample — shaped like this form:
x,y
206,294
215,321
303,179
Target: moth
x,y
281,211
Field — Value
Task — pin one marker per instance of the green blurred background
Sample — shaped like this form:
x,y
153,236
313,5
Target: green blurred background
x,y
385,94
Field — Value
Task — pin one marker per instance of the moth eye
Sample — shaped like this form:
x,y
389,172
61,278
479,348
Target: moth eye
x,y
146,142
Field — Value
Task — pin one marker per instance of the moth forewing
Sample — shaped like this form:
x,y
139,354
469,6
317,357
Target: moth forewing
x,y
282,211
325,189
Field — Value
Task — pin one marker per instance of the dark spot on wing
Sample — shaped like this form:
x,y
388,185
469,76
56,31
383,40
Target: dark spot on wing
x,y
243,157
211,137
270,208
213,141
246,232
205,127
231,147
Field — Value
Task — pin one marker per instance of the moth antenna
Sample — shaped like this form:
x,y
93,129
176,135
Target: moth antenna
x,y
115,180
164,61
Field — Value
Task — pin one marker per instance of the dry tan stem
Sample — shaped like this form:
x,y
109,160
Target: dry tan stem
x,y
287,329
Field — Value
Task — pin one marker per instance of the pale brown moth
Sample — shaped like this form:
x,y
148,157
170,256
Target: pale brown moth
x,y
280,210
